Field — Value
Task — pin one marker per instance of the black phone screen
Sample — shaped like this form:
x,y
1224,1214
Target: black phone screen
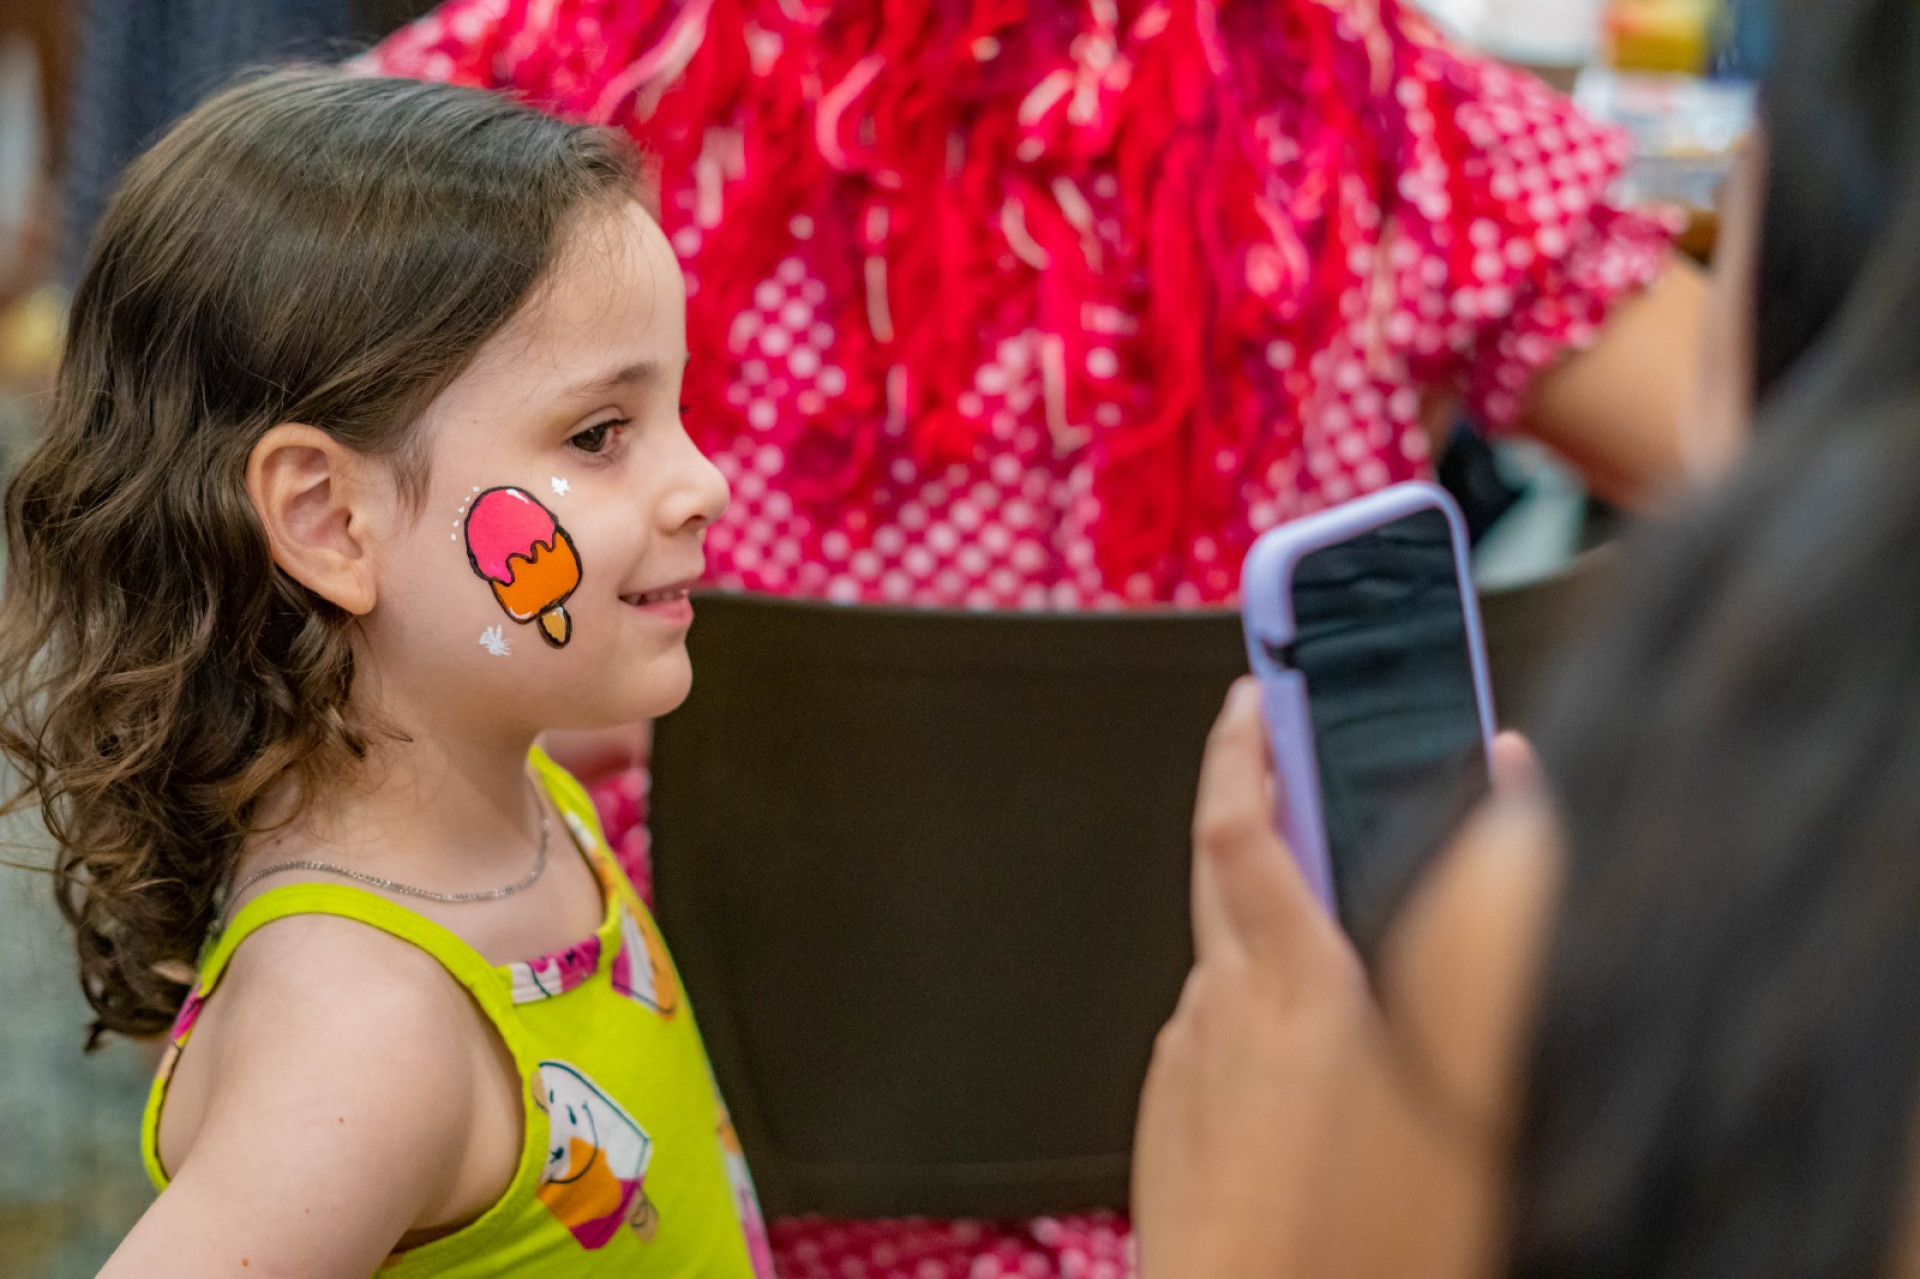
x,y
1381,640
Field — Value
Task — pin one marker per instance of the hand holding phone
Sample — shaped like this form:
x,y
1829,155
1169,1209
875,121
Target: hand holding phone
x,y
1362,627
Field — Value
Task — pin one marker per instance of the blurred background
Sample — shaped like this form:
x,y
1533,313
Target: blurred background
x,y
84,85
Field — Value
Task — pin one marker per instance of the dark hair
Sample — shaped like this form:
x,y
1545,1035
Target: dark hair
x,y
1842,113
306,247
1727,1049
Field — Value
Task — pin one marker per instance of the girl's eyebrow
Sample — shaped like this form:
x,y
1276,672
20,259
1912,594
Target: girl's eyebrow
x,y
637,374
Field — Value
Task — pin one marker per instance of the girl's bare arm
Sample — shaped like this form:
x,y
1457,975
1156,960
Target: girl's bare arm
x,y
335,1117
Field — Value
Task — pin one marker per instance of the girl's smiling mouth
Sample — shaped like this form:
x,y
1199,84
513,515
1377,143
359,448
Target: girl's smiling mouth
x,y
668,603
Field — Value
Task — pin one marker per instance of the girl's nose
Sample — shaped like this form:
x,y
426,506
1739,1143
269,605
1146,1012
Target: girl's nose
x,y
698,493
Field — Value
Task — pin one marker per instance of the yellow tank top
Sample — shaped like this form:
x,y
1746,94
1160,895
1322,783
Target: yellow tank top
x,y
629,1165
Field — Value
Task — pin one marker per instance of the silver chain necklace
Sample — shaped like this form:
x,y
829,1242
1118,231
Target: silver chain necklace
x,y
521,885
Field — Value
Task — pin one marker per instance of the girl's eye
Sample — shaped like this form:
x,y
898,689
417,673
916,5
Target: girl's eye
x,y
595,438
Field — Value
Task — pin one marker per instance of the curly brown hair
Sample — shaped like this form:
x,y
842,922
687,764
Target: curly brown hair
x,y
305,247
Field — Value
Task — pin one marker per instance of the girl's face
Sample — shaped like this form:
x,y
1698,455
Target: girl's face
x,y
540,580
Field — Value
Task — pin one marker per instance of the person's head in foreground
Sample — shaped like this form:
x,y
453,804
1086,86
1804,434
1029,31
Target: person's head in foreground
x,y
1656,1012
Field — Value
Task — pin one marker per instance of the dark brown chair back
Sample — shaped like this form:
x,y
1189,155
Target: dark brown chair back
x,y
925,874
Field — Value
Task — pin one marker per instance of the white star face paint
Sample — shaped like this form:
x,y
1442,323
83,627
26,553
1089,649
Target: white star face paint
x,y
560,487
495,643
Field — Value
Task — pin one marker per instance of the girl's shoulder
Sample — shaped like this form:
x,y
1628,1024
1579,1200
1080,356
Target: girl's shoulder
x,y
336,1075
322,1009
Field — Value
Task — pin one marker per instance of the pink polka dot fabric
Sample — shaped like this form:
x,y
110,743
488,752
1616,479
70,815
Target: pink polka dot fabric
x,y
1429,314
1093,1246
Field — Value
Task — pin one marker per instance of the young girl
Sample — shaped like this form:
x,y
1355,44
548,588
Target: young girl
x,y
366,466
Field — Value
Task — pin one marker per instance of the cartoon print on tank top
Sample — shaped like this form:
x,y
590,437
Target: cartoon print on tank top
x,y
641,970
177,1037
597,1157
555,974
746,1198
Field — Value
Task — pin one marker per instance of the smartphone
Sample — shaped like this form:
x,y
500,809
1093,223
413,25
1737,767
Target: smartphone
x,y
1362,627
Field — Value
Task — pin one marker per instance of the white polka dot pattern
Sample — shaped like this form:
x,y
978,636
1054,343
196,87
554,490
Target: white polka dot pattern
x,y
1091,1246
1013,527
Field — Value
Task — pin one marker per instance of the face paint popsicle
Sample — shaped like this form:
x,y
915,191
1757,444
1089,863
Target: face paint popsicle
x,y
518,546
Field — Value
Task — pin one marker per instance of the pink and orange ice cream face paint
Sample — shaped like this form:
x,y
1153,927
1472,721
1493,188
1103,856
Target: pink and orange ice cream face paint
x,y
518,547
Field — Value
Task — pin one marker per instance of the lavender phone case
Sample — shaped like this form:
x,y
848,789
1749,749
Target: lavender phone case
x,y
1266,590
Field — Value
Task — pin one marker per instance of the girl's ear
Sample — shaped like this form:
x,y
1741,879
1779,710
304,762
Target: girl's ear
x,y
308,490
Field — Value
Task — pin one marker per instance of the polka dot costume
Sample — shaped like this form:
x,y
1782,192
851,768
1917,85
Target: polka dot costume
x,y
1473,254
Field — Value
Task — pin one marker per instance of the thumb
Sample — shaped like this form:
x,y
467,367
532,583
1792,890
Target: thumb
x,y
1248,894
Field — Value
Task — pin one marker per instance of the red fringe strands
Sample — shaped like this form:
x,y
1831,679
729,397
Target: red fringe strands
x,y
931,158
